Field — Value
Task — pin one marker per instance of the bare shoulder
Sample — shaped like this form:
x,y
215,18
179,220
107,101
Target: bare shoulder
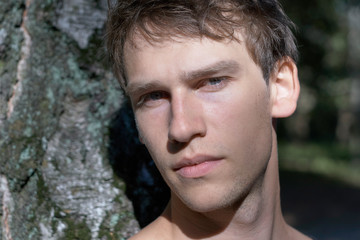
x,y
157,230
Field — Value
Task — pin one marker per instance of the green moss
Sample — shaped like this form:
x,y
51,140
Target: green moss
x,y
107,234
25,155
114,220
13,183
92,53
42,191
56,74
76,230
119,184
50,96
45,105
114,224
28,132
47,5
16,39
94,128
34,232
2,65
16,128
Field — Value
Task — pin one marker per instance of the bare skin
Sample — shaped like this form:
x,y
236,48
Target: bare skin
x,y
182,226
205,113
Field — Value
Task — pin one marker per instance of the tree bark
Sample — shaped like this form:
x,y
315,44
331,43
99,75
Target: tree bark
x,y
57,97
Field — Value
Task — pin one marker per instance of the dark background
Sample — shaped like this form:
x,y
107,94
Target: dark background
x,y
319,146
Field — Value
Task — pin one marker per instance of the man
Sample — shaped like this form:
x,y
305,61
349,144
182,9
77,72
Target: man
x,y
206,80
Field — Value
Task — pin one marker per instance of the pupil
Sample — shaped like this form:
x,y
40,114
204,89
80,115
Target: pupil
x,y
215,81
155,96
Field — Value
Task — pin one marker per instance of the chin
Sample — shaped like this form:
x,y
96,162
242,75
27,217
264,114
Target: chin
x,y
212,201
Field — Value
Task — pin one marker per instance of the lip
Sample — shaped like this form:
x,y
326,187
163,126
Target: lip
x,y
197,166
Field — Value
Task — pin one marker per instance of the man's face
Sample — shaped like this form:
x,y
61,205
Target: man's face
x,y
203,110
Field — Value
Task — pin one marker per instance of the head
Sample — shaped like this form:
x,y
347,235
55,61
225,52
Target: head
x,y
205,79
266,28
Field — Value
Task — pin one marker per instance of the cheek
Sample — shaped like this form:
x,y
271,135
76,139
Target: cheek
x,y
240,110
152,131
242,119
151,124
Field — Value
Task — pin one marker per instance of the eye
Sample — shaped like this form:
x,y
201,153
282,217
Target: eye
x,y
215,83
153,96
152,99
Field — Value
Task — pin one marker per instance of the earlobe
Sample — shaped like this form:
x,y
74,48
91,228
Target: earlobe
x,y
141,139
285,88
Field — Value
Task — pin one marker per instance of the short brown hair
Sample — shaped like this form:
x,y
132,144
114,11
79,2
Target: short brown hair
x,y
267,29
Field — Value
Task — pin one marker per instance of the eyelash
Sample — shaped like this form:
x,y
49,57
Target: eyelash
x,y
219,83
143,99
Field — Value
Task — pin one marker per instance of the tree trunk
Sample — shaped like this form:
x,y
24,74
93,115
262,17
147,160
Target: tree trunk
x,y
57,96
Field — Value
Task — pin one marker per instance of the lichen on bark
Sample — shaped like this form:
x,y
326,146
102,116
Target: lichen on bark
x,y
57,96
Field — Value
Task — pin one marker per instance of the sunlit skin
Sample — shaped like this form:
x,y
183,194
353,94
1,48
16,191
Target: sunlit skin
x,y
205,113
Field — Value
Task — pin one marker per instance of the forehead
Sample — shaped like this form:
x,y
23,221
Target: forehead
x,y
143,59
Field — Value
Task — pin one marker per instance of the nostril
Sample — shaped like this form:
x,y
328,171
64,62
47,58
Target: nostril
x,y
174,146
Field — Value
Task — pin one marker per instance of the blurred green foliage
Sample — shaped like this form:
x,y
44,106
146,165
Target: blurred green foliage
x,y
330,160
321,34
320,131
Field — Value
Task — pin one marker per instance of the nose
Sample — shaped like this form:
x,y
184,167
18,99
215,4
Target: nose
x,y
186,120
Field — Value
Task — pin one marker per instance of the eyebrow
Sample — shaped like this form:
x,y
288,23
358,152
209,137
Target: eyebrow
x,y
137,88
228,66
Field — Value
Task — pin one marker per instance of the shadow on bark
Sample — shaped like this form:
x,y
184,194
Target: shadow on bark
x,y
131,162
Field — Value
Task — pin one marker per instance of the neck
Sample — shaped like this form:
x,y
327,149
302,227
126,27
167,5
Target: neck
x,y
257,216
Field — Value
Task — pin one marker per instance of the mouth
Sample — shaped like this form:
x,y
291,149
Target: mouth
x,y
197,167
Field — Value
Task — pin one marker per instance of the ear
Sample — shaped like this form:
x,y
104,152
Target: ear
x,y
285,88
141,139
